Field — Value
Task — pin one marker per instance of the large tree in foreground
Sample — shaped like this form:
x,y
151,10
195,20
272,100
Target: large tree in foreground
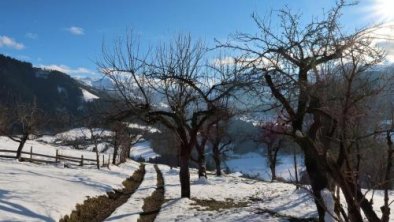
x,y
296,62
173,86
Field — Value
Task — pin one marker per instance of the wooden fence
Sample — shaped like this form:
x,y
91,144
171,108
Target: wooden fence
x,y
72,160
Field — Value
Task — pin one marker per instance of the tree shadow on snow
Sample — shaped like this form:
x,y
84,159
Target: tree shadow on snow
x,y
77,179
114,218
13,208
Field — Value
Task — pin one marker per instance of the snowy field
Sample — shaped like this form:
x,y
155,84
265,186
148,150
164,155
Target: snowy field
x,y
143,150
255,165
33,192
252,198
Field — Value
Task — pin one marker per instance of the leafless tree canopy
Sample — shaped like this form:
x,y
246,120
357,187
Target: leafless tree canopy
x,y
173,86
299,63
20,121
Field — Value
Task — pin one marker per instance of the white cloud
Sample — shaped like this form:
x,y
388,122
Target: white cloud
x,y
68,70
224,61
6,41
228,61
31,35
75,30
383,37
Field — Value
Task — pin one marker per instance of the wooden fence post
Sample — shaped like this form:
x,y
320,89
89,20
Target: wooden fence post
x,y
98,161
57,156
103,161
81,160
31,153
109,160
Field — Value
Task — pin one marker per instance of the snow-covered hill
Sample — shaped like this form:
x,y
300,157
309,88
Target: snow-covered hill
x,y
32,192
255,165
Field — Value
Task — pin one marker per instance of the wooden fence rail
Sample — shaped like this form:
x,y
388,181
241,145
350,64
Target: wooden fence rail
x,y
56,159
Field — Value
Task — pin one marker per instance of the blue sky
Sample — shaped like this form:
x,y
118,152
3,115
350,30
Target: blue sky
x,y
68,34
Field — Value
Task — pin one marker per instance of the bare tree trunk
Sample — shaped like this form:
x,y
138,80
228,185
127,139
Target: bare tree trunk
x,y
272,157
354,197
129,152
116,147
21,145
387,180
202,170
318,183
295,168
97,156
317,176
216,158
184,174
200,147
273,171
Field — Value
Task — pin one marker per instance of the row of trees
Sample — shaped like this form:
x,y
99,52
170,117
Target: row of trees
x,y
21,121
174,88
319,81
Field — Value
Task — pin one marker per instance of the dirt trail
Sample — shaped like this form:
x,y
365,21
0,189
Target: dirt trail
x,y
100,207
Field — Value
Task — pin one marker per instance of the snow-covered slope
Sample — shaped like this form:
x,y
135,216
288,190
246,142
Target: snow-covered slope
x,y
88,96
31,192
255,165
251,199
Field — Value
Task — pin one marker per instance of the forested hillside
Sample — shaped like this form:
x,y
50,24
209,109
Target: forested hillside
x,y
56,93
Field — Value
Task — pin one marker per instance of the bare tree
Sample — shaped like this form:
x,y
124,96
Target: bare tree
x,y
175,88
21,121
214,134
120,141
271,135
201,159
295,62
218,136
94,135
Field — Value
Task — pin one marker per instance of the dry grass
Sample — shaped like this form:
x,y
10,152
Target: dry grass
x,y
100,207
215,205
152,204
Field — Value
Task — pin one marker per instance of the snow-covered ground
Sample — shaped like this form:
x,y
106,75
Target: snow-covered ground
x,y
143,150
33,192
250,197
45,148
255,165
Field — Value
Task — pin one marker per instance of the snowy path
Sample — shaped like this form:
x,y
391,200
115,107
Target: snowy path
x,y
130,211
32,192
